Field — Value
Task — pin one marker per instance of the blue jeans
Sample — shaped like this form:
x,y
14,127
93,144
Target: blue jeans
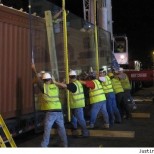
x,y
112,109
95,108
78,118
50,118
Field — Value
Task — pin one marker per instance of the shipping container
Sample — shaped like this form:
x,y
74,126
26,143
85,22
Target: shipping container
x,y
16,95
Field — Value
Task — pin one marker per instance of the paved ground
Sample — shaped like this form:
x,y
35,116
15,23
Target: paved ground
x,y
142,127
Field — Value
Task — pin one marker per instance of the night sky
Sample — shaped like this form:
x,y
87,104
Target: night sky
x,y
135,19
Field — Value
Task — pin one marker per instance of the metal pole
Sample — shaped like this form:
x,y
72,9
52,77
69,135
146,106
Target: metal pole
x,y
96,39
66,54
32,58
30,31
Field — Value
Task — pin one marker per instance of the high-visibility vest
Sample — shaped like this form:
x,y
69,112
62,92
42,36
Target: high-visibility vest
x,y
77,99
97,94
107,85
49,100
117,87
125,83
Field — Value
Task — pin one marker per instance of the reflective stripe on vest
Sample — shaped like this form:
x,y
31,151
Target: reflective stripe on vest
x,y
97,95
77,99
50,99
117,87
107,85
125,83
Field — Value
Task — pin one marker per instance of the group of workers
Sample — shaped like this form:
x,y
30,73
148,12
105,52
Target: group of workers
x,y
109,94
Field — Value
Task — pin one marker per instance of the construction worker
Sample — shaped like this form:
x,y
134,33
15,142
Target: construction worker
x,y
77,103
51,105
126,86
121,98
97,100
113,111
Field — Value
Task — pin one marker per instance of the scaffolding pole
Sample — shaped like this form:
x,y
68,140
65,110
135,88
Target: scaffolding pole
x,y
66,55
96,39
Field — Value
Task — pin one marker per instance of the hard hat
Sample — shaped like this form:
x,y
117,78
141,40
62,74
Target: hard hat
x,y
46,76
72,72
121,69
42,72
110,74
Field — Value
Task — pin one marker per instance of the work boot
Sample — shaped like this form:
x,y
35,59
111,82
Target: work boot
x,y
85,134
91,126
106,126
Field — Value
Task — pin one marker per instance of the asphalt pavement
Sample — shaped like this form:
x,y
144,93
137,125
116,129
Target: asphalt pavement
x,y
141,126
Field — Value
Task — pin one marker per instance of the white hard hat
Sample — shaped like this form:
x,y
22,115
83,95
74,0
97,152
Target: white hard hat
x,y
121,69
46,76
72,72
42,72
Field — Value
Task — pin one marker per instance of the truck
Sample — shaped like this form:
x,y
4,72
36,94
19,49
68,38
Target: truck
x,y
138,76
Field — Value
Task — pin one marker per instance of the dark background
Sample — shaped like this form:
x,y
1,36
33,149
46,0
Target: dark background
x,y
135,19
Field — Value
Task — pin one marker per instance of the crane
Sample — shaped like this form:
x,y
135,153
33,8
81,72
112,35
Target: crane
x,y
104,13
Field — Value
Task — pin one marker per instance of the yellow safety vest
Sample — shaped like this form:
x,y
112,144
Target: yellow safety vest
x,y
77,99
107,85
117,87
49,100
125,83
97,94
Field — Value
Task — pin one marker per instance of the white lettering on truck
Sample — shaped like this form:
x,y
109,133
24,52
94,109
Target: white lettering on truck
x,y
143,75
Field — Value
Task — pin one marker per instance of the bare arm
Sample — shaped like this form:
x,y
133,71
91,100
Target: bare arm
x,y
82,82
57,14
33,68
38,80
63,85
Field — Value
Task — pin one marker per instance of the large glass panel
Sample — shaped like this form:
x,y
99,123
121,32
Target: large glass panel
x,y
48,42
81,46
104,46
